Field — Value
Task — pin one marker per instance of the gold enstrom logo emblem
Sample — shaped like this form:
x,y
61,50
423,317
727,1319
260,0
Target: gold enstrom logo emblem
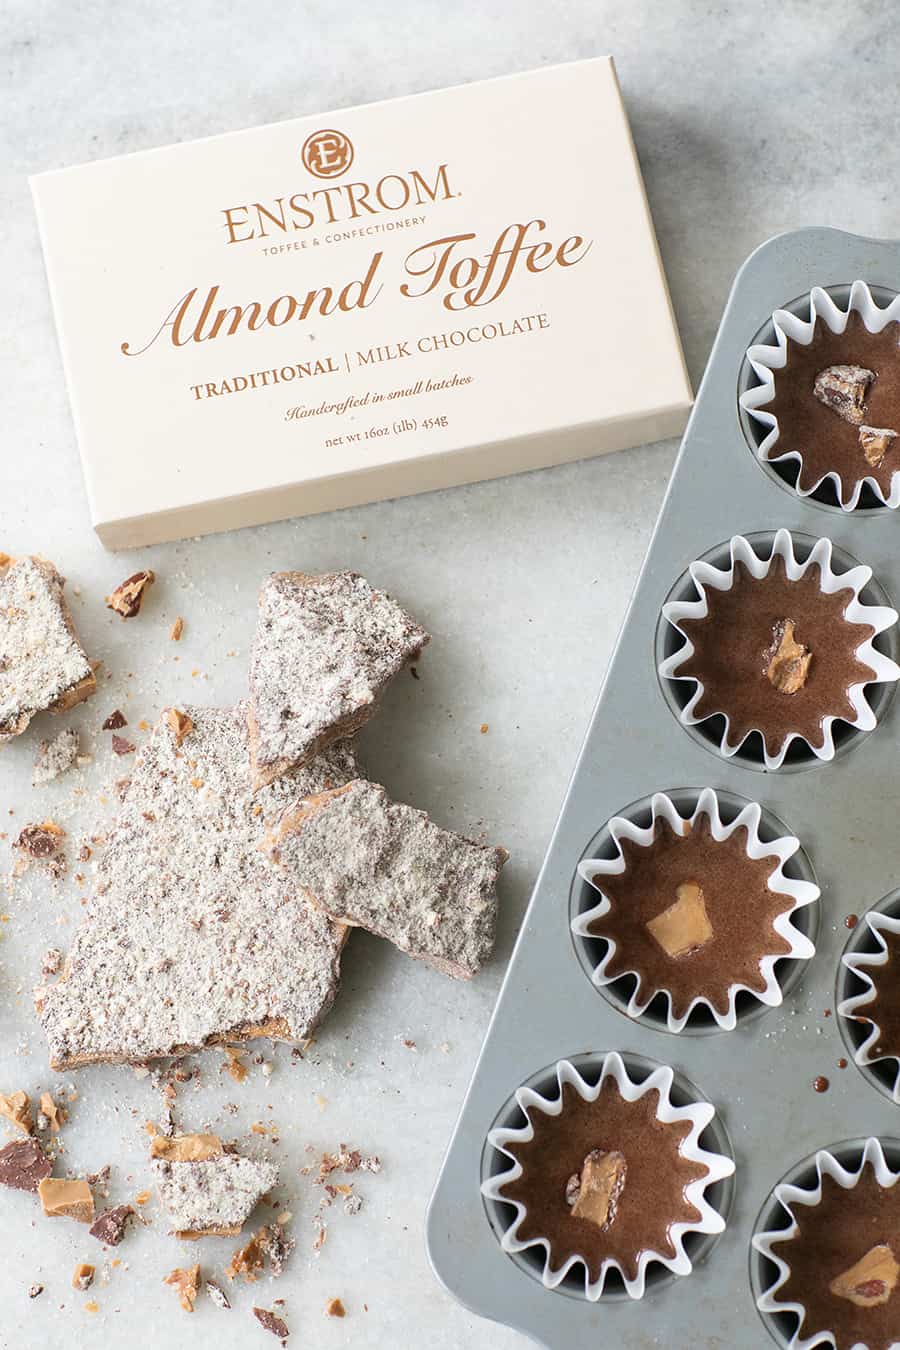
x,y
327,154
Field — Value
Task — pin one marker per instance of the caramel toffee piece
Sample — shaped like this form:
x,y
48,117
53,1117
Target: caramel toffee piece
x,y
24,1165
614,1147
66,1199
691,915
191,937
324,651
776,656
207,1192
371,863
883,1009
42,663
842,1263
830,393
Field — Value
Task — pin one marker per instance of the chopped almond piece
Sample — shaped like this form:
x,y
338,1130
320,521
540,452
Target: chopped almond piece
x,y
187,1282
177,629
67,1199
235,1064
17,1108
335,1308
180,723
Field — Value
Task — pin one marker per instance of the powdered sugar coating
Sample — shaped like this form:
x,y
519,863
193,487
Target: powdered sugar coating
x,y
41,658
190,934
217,1193
325,648
371,862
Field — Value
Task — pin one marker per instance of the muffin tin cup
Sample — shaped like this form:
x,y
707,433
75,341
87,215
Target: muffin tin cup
x,y
698,1113
707,576
767,358
803,1186
866,951
802,893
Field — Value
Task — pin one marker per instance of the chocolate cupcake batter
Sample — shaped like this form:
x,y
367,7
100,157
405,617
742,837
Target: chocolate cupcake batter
x,y
776,656
692,915
843,1263
610,1159
883,1010
834,434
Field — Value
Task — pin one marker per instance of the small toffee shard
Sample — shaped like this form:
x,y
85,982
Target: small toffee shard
x,y
875,442
372,863
870,1281
24,1165
684,927
187,1281
326,648
844,390
43,666
594,1193
788,660
127,598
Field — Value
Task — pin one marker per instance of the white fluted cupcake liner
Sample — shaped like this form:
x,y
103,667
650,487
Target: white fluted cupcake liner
x,y
787,1194
706,576
662,807
861,963
699,1114
766,359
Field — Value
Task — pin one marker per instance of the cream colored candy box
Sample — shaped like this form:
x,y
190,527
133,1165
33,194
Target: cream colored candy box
x,y
342,308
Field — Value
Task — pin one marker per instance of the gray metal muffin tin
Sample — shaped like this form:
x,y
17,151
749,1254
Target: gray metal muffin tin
x,y
845,813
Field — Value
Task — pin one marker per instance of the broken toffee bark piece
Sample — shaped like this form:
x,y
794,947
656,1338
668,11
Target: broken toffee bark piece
x,y
843,389
372,863
875,442
127,598
43,666
206,1189
24,1165
110,1226
191,938
325,649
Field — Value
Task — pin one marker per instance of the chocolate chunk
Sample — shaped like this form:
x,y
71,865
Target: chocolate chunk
x,y
24,1165
272,1322
127,598
35,1290
109,1227
115,721
844,389
121,746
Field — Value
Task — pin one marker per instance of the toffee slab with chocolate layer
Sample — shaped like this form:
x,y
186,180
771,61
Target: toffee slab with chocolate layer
x,y
692,915
843,1263
776,656
820,431
646,1185
883,1009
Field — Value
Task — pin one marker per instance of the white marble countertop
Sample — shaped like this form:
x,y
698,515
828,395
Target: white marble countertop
x,y
744,124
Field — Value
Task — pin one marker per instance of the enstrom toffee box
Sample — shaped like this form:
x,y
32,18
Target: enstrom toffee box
x,y
343,308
